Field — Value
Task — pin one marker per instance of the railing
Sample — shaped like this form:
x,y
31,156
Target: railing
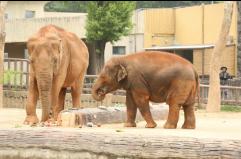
x,y
229,94
17,75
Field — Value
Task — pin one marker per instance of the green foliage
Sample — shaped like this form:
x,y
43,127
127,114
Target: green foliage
x,y
230,108
170,4
81,6
9,76
66,6
108,21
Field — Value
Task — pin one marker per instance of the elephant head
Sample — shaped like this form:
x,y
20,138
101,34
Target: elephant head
x,y
45,56
109,79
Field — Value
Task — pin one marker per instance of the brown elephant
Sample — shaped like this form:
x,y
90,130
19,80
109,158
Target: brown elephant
x,y
151,76
58,59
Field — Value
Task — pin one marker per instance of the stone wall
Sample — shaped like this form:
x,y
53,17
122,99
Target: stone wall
x,y
18,99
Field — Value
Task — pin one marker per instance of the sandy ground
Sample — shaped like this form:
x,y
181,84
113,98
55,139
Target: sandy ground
x,y
221,125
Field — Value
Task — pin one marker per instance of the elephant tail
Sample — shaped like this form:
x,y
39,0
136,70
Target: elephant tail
x,y
197,86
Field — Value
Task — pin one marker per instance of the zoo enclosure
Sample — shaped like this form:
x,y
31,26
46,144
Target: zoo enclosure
x,y
16,76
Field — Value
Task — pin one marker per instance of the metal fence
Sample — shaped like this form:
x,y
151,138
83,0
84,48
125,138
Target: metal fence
x,y
229,94
16,73
16,84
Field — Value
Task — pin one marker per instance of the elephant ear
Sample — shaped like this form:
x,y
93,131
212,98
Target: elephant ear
x,y
59,57
122,73
61,50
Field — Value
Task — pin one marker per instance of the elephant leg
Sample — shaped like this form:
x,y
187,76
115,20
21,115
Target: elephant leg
x,y
131,110
173,116
76,90
142,102
31,117
189,122
61,100
55,101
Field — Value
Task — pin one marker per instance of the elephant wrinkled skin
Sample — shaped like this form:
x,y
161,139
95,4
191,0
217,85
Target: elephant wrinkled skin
x,y
58,59
151,76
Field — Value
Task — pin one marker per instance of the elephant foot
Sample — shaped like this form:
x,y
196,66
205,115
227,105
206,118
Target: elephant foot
x,y
188,126
130,124
168,125
48,123
151,125
31,119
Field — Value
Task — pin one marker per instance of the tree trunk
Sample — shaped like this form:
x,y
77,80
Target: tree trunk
x,y
46,143
214,95
92,58
97,57
2,41
100,55
239,40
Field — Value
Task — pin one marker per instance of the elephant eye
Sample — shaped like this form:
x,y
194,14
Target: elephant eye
x,y
31,60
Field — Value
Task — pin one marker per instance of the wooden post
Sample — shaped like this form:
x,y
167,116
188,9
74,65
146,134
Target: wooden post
x,y
214,96
2,41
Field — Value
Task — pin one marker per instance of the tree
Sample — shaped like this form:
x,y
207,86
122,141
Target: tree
x,y
2,41
214,95
107,21
80,6
66,6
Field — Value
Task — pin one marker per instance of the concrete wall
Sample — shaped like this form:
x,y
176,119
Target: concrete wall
x,y
188,28
16,9
213,16
202,22
159,27
19,30
62,14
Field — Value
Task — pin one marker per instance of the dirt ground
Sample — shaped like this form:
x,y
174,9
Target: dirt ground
x,y
223,125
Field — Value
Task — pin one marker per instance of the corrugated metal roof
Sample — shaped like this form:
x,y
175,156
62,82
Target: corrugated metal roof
x,y
181,47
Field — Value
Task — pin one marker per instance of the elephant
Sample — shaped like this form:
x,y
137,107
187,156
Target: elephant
x,y
58,59
151,76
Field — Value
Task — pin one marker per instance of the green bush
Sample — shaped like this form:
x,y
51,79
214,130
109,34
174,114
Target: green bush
x,y
230,108
9,75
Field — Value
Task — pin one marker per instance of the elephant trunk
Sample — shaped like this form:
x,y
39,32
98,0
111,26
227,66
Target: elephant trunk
x,y
98,92
45,85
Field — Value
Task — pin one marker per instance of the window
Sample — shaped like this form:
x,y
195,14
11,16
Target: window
x,y
29,14
119,50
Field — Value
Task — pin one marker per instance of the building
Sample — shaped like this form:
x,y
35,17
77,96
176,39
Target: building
x,y
190,32
24,18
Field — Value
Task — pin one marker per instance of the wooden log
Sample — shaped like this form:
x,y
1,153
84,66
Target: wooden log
x,y
46,143
106,115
